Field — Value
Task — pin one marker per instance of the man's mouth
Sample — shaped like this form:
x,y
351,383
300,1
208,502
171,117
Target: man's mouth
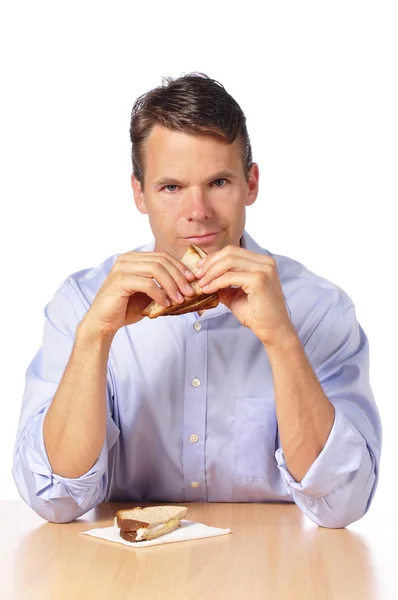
x,y
202,239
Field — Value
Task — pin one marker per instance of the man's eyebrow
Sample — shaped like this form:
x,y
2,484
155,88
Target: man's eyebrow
x,y
224,174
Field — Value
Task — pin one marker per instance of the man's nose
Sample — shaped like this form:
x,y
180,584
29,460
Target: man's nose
x,y
197,206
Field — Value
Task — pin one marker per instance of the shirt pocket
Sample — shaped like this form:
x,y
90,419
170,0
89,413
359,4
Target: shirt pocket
x,y
255,438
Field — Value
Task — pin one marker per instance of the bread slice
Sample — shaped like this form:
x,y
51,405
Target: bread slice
x,y
200,301
131,519
192,256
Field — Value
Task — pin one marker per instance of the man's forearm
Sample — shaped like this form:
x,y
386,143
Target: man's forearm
x,y
74,428
305,415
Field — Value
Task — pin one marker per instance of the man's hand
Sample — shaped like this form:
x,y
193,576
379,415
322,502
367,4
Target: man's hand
x,y
258,302
131,285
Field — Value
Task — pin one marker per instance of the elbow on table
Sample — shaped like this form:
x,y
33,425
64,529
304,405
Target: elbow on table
x,y
348,502
55,509
64,510
54,498
337,521
337,514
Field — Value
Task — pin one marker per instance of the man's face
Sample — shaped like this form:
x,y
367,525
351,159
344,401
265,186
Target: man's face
x,y
194,186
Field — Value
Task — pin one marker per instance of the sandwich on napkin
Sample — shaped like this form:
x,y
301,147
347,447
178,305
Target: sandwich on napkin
x,y
141,524
200,301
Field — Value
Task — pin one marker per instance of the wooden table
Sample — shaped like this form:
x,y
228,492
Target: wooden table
x,y
273,553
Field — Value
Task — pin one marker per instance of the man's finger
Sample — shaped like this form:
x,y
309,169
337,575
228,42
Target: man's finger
x,y
230,264
238,279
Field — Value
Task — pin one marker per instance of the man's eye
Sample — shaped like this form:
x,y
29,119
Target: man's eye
x,y
167,187
217,182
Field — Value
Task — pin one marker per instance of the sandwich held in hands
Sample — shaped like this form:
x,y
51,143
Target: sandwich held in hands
x,y
200,301
141,524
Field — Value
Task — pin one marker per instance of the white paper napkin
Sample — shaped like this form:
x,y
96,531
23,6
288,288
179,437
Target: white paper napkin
x,y
188,531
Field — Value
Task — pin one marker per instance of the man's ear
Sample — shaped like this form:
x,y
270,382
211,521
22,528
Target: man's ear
x,y
252,184
138,195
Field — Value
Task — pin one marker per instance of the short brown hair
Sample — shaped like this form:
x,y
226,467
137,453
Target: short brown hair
x,y
193,103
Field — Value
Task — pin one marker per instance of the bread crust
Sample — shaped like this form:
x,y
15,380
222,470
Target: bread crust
x,y
126,522
129,536
131,524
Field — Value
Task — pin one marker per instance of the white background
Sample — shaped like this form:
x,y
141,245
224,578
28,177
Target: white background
x,y
318,84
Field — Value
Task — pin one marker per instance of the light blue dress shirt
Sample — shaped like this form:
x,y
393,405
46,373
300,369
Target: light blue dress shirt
x,y
191,412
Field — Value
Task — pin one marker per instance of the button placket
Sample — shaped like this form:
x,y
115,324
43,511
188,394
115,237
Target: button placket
x,y
195,413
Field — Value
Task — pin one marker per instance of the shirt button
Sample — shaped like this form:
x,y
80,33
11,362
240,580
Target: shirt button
x,y
194,438
195,484
196,382
197,326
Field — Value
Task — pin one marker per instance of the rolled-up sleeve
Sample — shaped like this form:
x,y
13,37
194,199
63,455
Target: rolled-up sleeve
x,y
339,486
53,497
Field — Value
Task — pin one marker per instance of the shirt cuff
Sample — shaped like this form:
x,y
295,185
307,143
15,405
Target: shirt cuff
x,y
49,485
341,456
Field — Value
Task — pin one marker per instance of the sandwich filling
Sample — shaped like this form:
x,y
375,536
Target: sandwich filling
x,y
154,530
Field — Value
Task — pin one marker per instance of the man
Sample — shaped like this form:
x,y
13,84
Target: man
x,y
264,398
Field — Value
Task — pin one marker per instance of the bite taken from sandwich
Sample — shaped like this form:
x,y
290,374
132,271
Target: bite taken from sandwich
x,y
200,300
143,524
